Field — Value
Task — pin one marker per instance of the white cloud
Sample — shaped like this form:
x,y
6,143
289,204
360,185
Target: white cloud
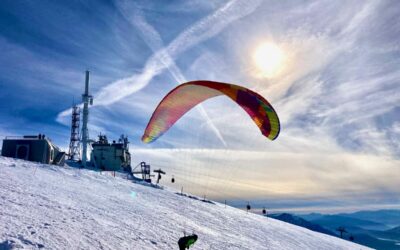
x,y
251,174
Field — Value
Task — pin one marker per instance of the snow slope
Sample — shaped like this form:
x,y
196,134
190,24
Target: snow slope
x,y
49,207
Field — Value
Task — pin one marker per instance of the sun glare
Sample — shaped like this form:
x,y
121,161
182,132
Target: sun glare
x,y
269,59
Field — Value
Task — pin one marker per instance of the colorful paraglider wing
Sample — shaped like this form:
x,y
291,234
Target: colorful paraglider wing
x,y
184,97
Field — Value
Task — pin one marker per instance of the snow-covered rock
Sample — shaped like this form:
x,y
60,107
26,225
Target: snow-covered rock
x,y
50,207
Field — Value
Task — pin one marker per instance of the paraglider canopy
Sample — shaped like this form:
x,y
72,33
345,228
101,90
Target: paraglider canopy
x,y
186,96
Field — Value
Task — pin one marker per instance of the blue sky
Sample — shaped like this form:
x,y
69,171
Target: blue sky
x,y
337,92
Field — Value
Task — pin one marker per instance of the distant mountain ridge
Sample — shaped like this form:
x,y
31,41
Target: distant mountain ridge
x,y
298,221
335,221
377,229
394,230
389,217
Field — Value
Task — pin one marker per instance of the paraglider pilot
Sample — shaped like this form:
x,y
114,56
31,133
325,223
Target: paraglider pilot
x,y
186,241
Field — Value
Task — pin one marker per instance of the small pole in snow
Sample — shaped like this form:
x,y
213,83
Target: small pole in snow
x,y
225,203
181,190
34,172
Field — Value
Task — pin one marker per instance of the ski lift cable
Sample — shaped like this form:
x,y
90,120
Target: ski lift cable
x,y
233,182
219,192
197,182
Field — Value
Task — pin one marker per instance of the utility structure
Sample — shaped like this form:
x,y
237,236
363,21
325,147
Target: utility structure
x,y
111,156
145,171
341,230
74,144
159,173
36,148
87,100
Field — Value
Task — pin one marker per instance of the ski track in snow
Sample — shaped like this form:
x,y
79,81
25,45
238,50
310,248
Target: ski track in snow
x,y
51,207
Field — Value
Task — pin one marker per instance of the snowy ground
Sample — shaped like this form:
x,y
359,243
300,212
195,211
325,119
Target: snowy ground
x,y
50,207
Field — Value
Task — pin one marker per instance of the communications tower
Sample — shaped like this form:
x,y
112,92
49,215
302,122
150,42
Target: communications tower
x,y
87,100
74,145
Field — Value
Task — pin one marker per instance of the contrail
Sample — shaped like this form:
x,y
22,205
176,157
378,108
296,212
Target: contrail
x,y
154,41
202,30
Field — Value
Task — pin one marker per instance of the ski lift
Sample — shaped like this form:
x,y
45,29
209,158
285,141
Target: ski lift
x,y
264,211
173,179
248,207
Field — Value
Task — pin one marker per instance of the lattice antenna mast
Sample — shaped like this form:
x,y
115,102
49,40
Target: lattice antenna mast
x,y
74,145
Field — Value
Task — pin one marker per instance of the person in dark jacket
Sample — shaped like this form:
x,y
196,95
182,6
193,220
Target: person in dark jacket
x,y
186,241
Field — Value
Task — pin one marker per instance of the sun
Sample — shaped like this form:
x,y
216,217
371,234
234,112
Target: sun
x,y
269,59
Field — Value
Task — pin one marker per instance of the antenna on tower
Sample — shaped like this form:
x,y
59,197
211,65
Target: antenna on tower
x,y
74,145
87,99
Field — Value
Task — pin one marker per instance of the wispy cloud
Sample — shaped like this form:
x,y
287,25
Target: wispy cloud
x,y
163,57
153,39
325,98
200,31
